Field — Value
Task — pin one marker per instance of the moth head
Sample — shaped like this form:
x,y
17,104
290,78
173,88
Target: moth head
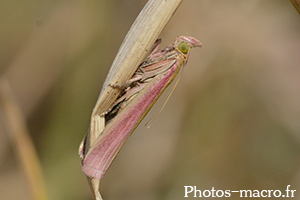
x,y
185,43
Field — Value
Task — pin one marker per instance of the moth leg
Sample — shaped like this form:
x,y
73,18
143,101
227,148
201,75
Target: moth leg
x,y
104,113
141,69
128,83
131,94
117,86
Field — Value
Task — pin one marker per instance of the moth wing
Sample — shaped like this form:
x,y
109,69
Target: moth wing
x,y
108,144
97,161
157,68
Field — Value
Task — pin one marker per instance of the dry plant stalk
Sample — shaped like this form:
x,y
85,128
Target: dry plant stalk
x,y
19,135
296,4
138,41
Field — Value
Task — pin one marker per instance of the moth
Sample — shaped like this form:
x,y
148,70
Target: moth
x,y
137,97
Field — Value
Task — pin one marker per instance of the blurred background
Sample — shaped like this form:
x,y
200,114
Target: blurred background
x,y
232,122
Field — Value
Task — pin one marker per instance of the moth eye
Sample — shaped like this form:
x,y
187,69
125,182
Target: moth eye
x,y
183,47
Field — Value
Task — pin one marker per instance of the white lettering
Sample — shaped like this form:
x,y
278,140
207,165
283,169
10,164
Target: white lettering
x,y
246,193
227,193
213,192
222,193
195,192
279,193
206,195
287,190
269,193
292,195
186,192
256,193
262,193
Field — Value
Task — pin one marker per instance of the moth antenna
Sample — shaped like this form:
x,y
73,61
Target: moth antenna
x,y
150,122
